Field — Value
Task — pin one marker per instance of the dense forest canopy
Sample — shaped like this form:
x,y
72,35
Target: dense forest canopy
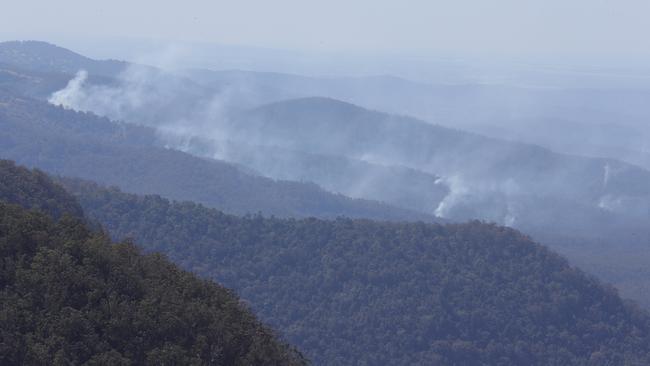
x,y
33,189
361,292
68,296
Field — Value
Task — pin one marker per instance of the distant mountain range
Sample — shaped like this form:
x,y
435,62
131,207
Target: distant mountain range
x,y
581,119
70,143
575,117
277,201
417,168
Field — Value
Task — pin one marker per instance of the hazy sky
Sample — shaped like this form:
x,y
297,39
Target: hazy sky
x,y
616,29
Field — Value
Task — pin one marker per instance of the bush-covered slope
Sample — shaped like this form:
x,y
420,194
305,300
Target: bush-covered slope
x,y
360,292
69,296
33,189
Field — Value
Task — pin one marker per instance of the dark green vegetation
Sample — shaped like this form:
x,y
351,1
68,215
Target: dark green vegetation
x,y
69,296
360,292
33,189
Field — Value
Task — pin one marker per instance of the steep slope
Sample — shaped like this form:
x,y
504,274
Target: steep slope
x,y
80,144
70,296
351,292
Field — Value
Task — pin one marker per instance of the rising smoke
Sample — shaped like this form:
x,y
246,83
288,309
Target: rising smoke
x,y
198,119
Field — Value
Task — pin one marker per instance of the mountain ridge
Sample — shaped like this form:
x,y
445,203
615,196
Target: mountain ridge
x,y
80,144
356,291
43,56
598,201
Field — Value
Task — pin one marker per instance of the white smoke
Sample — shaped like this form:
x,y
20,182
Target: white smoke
x,y
458,191
492,201
511,216
174,106
182,111
72,95
113,101
607,171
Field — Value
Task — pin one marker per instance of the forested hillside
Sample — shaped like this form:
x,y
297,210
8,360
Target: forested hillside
x,y
33,189
68,296
360,292
83,145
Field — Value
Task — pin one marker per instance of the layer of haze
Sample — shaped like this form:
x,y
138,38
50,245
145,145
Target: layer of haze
x,y
588,32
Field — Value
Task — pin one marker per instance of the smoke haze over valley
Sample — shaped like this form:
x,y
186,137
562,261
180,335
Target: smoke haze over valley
x,y
343,164
292,128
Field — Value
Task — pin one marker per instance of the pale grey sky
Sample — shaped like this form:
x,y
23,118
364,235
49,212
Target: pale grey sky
x,y
575,29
